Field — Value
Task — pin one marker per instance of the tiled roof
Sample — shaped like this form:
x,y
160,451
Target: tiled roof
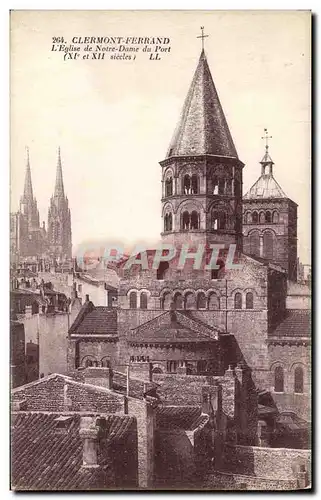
x,y
265,187
296,324
46,458
96,320
202,128
183,417
173,327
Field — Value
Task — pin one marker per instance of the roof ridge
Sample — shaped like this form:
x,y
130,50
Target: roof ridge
x,y
150,320
39,381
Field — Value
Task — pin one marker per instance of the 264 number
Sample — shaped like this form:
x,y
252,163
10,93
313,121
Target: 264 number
x,y
58,39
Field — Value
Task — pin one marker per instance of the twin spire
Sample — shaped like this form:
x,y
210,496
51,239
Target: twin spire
x,y
28,192
59,186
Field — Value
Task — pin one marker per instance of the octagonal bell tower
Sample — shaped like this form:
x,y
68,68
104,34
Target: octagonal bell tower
x,y
201,174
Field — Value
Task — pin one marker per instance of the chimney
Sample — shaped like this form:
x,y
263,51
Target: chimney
x,y
74,290
87,297
212,399
103,377
28,311
91,430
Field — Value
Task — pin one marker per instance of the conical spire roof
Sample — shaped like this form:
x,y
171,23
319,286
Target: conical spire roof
x,y
202,128
59,187
28,192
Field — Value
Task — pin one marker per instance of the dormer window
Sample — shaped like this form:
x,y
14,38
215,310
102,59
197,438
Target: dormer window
x,y
63,423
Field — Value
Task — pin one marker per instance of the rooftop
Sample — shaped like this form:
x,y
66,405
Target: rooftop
x,y
95,320
297,323
202,128
183,417
265,187
173,327
46,452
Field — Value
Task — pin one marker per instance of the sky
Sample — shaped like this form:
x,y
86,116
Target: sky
x,y
114,119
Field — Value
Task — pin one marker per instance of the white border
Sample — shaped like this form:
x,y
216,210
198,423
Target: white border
x,y
313,5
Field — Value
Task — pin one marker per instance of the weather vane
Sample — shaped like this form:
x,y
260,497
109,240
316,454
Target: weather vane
x,y
202,36
266,137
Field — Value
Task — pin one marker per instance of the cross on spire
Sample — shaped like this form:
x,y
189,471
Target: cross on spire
x,y
202,36
266,137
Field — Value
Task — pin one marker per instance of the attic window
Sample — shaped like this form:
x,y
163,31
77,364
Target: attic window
x,y
170,152
63,422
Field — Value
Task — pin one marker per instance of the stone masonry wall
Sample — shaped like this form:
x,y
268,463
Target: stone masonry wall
x,y
272,463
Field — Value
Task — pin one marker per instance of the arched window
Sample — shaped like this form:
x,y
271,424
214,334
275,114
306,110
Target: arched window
x,y
157,370
133,300
222,220
254,243
88,362
168,222
143,300
201,301
237,188
278,379
213,302
215,185
171,366
238,300
187,184
216,273
178,301
255,218
194,220
262,218
221,186
162,268
268,250
214,223
105,362
275,217
185,221
166,300
298,380
249,300
190,302
268,217
248,218
169,186
194,184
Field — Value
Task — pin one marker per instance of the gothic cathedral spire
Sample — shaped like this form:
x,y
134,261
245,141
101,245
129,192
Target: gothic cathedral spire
x,y
28,192
59,220
28,204
59,186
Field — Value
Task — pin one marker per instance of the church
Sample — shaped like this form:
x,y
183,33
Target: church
x,y
202,322
32,244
